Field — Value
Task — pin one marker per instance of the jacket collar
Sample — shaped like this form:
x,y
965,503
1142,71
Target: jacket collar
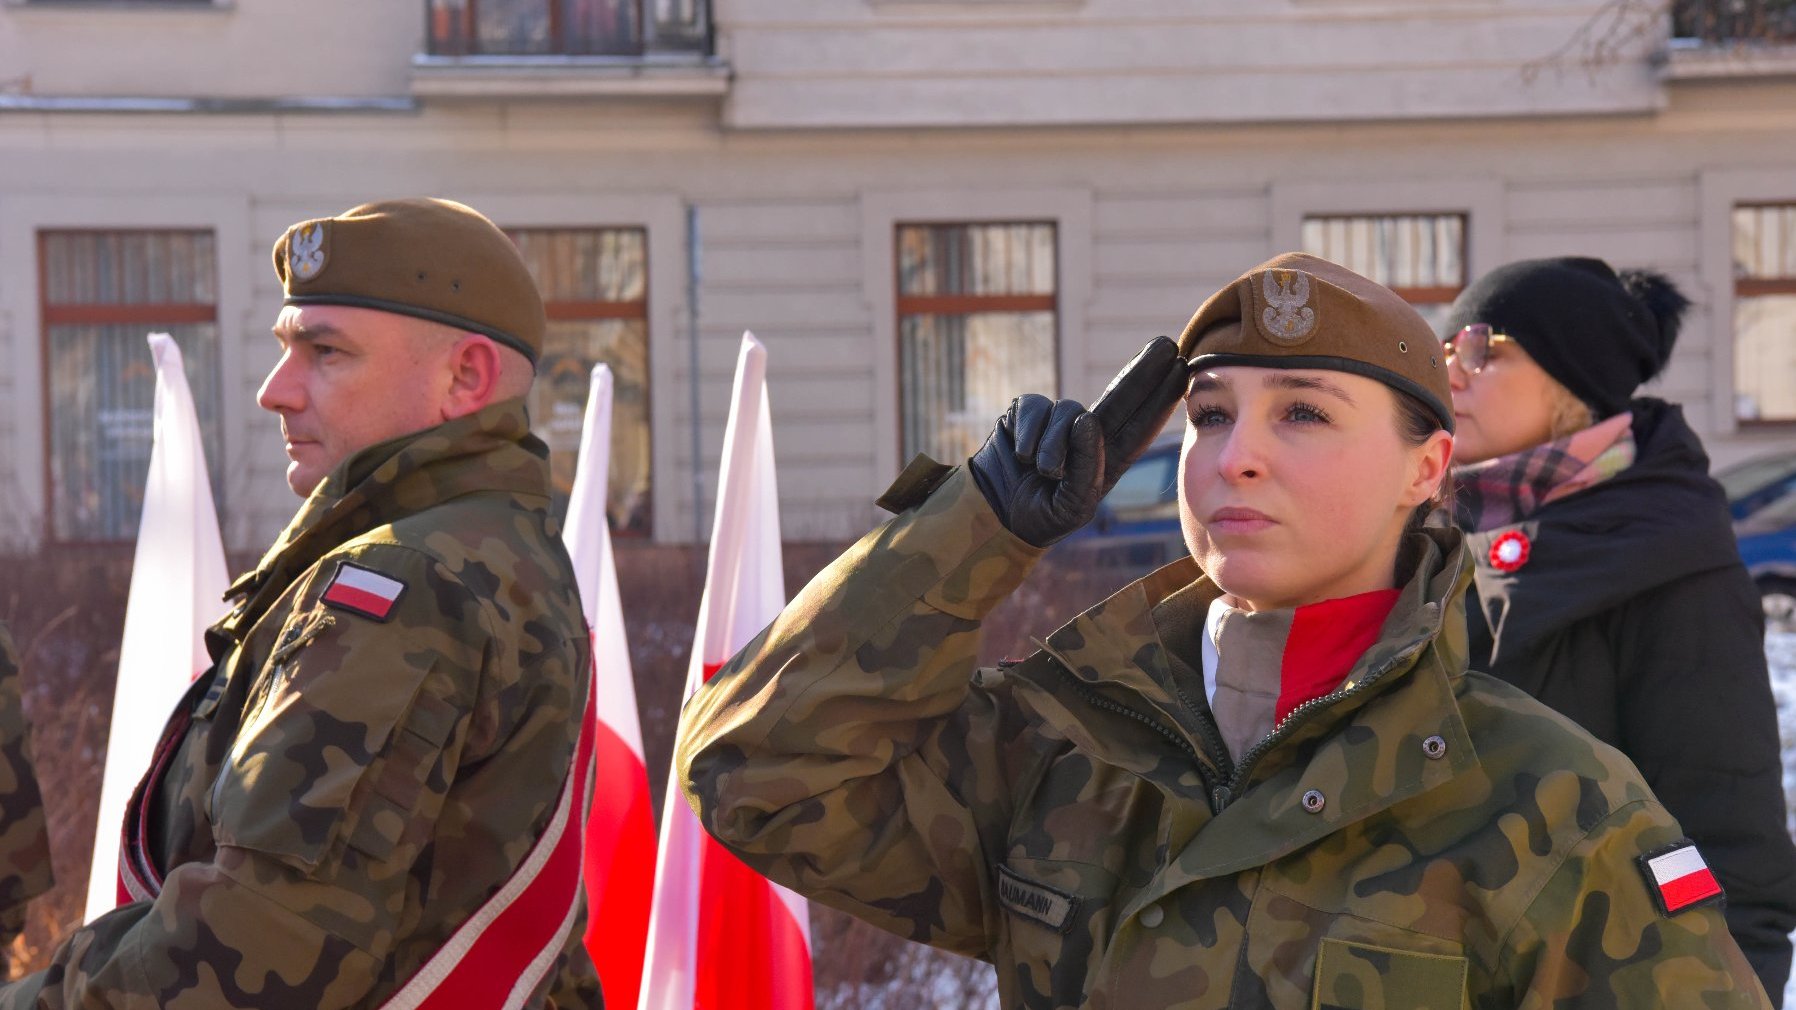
x,y
1108,682
490,450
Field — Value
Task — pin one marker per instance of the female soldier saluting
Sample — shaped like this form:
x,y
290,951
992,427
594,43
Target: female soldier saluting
x,y
1259,777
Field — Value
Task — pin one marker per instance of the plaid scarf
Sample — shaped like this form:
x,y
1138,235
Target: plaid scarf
x,y
1509,489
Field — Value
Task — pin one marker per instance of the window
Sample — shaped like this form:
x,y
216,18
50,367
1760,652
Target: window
x,y
103,292
1419,256
567,27
595,288
976,327
1765,312
1714,21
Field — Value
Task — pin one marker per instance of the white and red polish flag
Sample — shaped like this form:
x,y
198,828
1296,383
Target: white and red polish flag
x,y
722,937
618,866
178,579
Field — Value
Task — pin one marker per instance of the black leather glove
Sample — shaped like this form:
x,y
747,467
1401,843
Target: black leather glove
x,y
1048,463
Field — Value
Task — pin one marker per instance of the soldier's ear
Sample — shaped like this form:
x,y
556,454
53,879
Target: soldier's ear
x,y
1429,463
475,367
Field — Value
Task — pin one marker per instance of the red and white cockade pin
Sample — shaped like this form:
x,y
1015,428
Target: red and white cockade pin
x,y
1510,551
1679,878
363,591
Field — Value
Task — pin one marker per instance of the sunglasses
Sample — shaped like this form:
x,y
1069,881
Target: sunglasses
x,y
1471,346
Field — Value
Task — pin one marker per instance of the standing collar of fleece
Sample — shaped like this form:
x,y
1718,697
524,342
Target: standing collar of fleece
x,y
1321,642
1508,489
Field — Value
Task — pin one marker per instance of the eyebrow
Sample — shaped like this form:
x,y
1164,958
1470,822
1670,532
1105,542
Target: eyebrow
x,y
1310,383
1207,383
316,331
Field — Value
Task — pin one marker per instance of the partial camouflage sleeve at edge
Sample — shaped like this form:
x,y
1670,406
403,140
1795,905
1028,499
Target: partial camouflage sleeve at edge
x,y
1594,937
821,754
24,834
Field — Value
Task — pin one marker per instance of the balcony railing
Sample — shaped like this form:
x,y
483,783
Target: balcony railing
x,y
552,28
1731,21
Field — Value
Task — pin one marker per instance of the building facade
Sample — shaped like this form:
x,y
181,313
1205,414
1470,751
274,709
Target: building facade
x,y
921,207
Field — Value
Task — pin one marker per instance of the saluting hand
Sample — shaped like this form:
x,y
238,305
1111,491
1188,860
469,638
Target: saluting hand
x,y
1048,463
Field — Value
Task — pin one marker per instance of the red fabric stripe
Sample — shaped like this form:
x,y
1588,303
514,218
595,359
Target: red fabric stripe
x,y
1327,638
485,975
620,868
751,955
1689,889
134,846
360,599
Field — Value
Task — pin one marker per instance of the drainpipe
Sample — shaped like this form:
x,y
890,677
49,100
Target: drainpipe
x,y
698,465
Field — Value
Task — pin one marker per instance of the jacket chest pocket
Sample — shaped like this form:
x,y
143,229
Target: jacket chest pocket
x,y
1361,976
1299,954
1057,920
341,745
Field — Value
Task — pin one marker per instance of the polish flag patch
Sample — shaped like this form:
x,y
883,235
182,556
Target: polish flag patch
x,y
1679,878
363,591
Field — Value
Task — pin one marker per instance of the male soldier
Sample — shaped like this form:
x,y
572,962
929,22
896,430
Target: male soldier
x,y
24,839
385,738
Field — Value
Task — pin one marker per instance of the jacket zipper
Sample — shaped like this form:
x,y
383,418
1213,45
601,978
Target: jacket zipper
x,y
1212,738
1096,700
1302,711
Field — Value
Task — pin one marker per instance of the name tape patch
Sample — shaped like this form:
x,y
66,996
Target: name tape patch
x,y
1679,878
363,591
1049,906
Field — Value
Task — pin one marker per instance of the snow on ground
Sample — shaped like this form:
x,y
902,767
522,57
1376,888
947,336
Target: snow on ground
x,y
1780,656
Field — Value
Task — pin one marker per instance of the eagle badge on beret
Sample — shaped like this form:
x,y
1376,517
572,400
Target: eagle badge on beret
x,y
305,251
1287,318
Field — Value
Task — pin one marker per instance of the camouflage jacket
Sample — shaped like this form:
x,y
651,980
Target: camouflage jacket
x,y
24,837
354,784
1420,837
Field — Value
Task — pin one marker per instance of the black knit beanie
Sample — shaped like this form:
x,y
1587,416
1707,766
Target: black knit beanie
x,y
1597,333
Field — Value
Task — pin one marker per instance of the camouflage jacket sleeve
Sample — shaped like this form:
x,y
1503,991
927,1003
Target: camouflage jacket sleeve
x,y
841,752
24,836
330,796
1595,935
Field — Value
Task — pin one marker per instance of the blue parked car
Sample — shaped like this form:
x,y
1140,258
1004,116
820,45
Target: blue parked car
x,y
1136,529
1761,494
1757,482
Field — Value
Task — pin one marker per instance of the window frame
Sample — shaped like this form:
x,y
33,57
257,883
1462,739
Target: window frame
x,y
1431,295
966,305
1752,287
1719,191
645,42
1481,201
149,314
1734,37
588,311
1070,211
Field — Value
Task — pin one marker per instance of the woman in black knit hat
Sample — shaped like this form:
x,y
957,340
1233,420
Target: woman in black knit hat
x,y
1608,584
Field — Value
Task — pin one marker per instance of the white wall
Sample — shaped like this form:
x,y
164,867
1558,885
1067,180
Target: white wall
x,y
250,49
796,223
855,63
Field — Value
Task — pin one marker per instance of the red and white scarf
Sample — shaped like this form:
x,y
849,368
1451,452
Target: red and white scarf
x,y
1508,489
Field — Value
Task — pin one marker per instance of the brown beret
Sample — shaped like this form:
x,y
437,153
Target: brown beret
x,y
1299,311
432,259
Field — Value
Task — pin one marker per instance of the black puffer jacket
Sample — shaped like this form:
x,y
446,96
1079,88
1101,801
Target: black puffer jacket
x,y
1634,616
